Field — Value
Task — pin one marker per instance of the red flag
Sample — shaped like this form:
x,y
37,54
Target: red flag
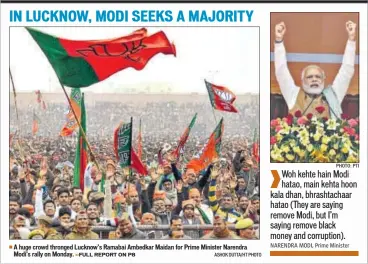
x,y
137,164
221,97
210,151
81,63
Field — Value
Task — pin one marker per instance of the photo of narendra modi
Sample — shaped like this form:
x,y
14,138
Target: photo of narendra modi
x,y
314,88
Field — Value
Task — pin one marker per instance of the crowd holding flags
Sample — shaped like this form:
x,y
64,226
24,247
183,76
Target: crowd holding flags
x,y
184,187
80,64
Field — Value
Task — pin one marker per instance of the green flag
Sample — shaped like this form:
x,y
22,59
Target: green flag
x,y
80,162
123,143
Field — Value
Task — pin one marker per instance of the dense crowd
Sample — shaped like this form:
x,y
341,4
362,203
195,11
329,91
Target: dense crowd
x,y
168,203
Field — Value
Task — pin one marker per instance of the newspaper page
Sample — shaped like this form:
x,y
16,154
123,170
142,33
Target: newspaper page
x,y
158,132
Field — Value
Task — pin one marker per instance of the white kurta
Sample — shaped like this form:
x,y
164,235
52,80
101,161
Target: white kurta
x,y
287,85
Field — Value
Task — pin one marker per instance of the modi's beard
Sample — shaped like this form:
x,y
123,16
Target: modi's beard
x,y
315,88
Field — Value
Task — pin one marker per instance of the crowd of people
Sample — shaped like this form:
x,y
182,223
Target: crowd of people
x,y
171,202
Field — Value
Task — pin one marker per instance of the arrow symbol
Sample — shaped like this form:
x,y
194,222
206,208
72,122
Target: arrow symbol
x,y
276,178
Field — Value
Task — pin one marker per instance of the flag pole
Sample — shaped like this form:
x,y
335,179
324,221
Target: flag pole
x,y
79,124
209,97
16,111
130,157
15,96
213,111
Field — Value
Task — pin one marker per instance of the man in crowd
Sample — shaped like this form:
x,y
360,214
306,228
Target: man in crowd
x,y
226,209
81,229
176,228
63,198
63,225
14,206
45,228
245,229
220,230
126,229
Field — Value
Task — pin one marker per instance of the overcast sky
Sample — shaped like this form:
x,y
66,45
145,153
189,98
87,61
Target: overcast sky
x,y
226,56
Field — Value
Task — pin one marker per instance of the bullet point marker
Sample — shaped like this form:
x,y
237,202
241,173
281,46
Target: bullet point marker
x,y
10,246
276,178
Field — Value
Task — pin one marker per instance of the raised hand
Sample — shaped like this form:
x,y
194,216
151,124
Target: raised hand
x,y
171,158
233,184
110,175
160,170
98,176
22,173
185,180
179,186
142,182
280,30
214,172
351,29
154,176
40,183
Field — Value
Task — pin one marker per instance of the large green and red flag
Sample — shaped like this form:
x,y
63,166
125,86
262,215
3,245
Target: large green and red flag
x,y
184,137
71,124
81,159
210,150
221,98
35,123
81,63
124,151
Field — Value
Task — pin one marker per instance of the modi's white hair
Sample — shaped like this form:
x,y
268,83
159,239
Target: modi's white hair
x,y
313,66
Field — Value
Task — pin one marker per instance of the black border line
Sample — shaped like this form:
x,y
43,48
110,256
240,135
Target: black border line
x,y
185,2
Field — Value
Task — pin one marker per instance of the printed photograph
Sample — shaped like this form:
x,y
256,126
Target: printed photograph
x,y
314,88
134,133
